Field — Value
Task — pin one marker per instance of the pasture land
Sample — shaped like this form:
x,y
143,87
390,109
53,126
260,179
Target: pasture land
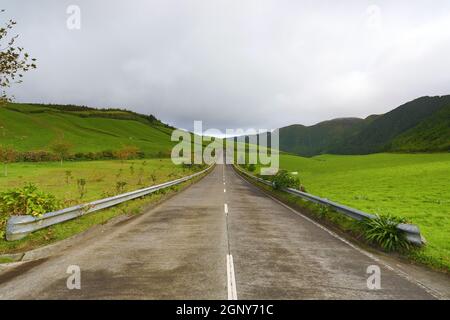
x,y
103,179
413,186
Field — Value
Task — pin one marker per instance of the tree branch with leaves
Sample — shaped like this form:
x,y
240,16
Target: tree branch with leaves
x,y
14,61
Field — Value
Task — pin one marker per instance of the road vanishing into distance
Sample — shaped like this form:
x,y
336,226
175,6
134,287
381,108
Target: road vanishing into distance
x,y
221,238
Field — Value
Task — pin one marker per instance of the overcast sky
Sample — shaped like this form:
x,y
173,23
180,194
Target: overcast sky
x,y
236,63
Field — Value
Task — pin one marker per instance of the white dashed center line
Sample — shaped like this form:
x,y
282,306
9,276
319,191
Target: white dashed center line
x,y
231,280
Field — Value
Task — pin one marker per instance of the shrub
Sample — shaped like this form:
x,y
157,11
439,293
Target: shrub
x,y
68,176
36,156
251,167
382,230
107,154
127,152
284,180
7,155
81,184
120,186
61,149
27,201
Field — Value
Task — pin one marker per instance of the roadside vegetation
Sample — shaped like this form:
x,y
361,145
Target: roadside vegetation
x,y
409,188
37,188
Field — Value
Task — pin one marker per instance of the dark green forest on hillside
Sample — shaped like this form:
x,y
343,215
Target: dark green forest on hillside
x,y
421,125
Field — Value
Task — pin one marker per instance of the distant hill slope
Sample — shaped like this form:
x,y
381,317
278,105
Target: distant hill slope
x,y
29,127
419,125
319,138
432,134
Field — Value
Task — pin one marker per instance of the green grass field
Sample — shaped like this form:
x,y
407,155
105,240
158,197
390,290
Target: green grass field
x,y
101,177
414,186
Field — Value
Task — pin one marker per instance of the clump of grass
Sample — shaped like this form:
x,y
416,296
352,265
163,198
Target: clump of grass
x,y
6,260
140,176
382,231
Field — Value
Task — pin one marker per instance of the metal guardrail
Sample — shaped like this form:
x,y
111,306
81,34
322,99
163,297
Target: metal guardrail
x,y
18,227
411,231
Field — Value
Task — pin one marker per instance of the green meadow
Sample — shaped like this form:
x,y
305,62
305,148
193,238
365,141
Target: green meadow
x,y
103,179
414,186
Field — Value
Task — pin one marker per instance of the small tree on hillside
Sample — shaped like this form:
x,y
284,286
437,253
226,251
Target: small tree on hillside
x,y
13,60
7,155
127,152
61,149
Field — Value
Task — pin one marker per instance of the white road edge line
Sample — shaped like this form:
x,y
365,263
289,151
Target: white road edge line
x,y
401,273
231,280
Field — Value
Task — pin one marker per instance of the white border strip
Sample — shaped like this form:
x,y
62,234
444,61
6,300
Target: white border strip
x,y
231,280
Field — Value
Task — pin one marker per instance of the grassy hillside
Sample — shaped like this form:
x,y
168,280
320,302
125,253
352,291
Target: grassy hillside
x,y
378,134
34,127
414,186
419,125
432,134
319,138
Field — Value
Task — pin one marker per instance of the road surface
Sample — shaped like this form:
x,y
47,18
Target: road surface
x,y
221,238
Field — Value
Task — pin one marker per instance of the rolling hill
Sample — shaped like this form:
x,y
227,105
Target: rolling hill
x,y
28,127
320,138
432,134
417,126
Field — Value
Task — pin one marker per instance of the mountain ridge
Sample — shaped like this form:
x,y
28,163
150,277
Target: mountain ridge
x,y
375,133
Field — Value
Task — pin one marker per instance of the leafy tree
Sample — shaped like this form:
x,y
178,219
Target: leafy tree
x,y
14,62
61,149
126,153
7,155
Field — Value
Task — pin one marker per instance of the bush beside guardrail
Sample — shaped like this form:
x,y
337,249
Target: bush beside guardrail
x,y
19,227
411,231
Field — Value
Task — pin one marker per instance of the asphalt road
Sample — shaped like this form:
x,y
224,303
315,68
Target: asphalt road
x,y
221,238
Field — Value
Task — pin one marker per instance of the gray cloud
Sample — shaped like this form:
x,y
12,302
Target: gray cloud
x,y
236,63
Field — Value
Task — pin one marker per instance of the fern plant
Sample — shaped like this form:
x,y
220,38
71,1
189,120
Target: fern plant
x,y
382,230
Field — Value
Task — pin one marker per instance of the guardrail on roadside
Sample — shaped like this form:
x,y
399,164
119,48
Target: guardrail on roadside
x,y
411,231
18,227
